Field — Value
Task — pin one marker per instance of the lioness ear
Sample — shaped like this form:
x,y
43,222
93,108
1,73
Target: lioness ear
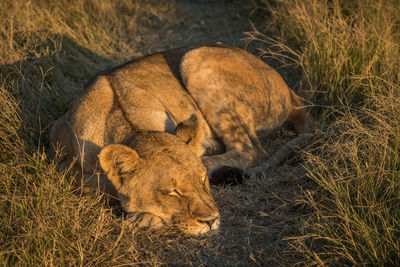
x,y
189,131
119,162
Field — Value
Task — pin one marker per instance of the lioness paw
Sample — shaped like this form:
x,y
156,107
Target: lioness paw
x,y
226,175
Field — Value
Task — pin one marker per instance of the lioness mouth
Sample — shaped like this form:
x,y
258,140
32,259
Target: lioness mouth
x,y
146,220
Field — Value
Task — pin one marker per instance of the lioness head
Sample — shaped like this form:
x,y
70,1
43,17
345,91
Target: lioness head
x,y
160,181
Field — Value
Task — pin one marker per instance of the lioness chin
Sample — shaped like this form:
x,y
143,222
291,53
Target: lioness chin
x,y
155,130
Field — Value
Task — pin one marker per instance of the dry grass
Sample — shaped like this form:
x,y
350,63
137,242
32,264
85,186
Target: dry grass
x,y
348,52
348,55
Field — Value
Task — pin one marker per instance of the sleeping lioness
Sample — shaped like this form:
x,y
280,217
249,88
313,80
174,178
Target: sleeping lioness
x,y
154,131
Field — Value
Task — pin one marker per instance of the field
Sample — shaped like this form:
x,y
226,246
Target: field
x,y
336,201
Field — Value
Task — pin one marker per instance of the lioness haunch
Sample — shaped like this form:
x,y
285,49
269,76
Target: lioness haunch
x,y
155,130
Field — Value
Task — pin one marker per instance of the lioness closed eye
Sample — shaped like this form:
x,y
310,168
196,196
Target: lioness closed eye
x,y
154,131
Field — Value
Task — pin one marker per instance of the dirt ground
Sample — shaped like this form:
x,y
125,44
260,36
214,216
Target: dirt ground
x,y
259,216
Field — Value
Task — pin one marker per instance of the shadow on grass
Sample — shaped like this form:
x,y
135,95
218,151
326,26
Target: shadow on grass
x,y
45,83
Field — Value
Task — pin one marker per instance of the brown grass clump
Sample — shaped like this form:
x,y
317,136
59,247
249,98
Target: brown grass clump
x,y
348,52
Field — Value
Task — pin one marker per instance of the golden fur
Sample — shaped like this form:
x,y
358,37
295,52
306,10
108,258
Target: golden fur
x,y
159,126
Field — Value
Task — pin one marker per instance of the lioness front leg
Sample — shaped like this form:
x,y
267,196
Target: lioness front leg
x,y
224,168
229,166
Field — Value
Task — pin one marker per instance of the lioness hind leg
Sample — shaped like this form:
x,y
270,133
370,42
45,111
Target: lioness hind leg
x,y
304,125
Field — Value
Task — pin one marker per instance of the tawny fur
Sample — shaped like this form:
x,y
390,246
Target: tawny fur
x,y
173,113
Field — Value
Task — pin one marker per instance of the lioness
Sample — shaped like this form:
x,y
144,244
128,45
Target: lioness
x,y
161,126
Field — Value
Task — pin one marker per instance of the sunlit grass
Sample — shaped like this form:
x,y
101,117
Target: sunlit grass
x,y
348,52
